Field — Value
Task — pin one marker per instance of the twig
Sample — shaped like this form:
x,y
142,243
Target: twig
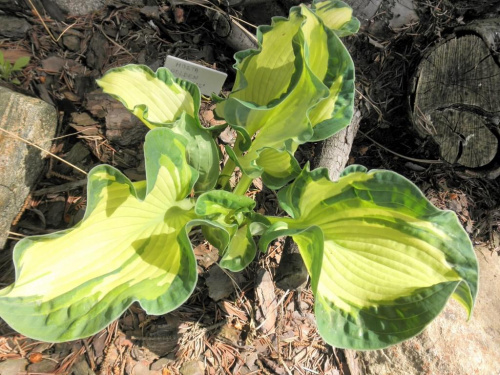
x,y
15,234
115,43
399,155
90,356
33,8
41,149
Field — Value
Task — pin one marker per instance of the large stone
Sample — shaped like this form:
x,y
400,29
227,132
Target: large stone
x,y
21,164
450,344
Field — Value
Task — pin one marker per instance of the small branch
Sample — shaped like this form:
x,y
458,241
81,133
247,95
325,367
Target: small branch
x,y
41,149
399,155
60,188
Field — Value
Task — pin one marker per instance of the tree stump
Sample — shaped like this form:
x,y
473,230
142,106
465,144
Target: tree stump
x,y
457,98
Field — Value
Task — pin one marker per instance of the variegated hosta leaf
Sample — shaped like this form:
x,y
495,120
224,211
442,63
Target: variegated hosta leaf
x,y
240,251
131,246
336,15
157,98
390,259
297,87
279,167
162,100
224,219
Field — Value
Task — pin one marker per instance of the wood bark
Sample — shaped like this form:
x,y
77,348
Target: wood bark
x,y
231,32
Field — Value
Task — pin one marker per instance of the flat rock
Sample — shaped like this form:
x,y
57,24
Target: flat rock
x,y
79,8
220,282
9,6
20,165
192,368
44,366
403,13
364,9
160,364
450,344
13,27
71,42
13,366
81,368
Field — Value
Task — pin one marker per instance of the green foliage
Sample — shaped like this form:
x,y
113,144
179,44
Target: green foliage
x,y
383,261
8,70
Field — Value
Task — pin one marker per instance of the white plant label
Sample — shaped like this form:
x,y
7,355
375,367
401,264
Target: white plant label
x,y
208,80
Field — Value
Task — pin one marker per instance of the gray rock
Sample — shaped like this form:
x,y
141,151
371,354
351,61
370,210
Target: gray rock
x,y
220,282
403,13
71,42
161,363
365,9
450,344
79,8
13,27
140,369
13,366
45,366
192,368
9,6
81,368
20,165
97,53
137,3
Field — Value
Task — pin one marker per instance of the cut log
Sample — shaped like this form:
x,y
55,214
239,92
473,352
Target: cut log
x,y
457,100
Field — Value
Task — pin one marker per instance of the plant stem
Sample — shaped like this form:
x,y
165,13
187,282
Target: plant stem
x,y
243,185
226,173
228,169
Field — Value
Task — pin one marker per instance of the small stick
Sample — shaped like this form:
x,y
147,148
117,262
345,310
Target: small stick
x,y
33,8
399,155
115,43
41,149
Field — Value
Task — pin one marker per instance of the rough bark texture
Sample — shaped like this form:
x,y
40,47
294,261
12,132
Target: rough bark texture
x,y
233,34
20,164
457,100
333,153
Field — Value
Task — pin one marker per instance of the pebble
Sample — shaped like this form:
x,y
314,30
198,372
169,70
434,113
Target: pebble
x,y
13,366
71,42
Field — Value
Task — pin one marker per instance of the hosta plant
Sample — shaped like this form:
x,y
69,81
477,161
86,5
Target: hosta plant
x,y
382,260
